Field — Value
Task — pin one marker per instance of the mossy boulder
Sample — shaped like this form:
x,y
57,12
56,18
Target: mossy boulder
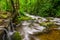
x,y
4,18
16,36
1,20
47,23
4,15
49,18
23,18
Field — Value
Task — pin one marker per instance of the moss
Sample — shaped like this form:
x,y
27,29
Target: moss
x,y
1,21
16,36
47,23
49,18
23,18
3,15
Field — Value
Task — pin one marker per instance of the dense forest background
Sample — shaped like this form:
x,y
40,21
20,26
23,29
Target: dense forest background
x,y
44,8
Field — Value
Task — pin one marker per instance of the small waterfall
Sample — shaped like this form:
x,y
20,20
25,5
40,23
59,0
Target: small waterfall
x,y
8,36
11,28
9,32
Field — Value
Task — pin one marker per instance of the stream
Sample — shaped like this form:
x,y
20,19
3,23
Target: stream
x,y
29,29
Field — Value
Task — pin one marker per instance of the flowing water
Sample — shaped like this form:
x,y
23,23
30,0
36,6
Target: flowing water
x,y
8,36
9,32
29,29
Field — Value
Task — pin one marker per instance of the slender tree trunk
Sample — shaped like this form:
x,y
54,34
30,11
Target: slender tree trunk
x,y
14,13
15,7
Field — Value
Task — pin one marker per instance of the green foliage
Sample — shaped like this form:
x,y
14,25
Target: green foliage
x,y
58,12
43,8
16,36
35,6
27,5
5,5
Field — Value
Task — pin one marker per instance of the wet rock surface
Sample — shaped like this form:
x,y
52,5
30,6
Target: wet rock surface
x,y
4,19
